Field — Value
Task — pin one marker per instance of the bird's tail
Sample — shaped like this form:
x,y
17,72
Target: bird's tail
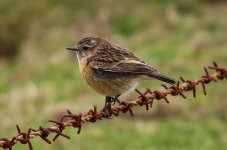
x,y
163,78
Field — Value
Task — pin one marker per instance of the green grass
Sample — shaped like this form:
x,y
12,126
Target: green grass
x,y
44,80
140,134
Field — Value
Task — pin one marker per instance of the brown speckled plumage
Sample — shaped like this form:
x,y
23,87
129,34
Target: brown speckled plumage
x,y
110,69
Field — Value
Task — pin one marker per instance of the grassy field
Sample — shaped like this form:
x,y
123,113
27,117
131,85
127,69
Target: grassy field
x,y
39,79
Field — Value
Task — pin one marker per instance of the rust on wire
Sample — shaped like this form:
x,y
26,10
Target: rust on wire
x,y
93,115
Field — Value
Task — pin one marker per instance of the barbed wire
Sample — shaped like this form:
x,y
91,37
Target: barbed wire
x,y
144,99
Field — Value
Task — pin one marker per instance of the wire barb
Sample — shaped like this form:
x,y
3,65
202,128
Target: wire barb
x,y
146,99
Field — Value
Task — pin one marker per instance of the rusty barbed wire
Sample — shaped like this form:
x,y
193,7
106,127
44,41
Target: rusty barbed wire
x,y
144,99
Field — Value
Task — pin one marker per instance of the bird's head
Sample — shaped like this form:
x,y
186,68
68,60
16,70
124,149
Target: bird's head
x,y
86,46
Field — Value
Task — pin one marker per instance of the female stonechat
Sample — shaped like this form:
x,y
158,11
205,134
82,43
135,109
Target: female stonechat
x,y
112,70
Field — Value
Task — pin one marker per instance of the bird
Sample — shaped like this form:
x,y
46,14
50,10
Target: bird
x,y
111,69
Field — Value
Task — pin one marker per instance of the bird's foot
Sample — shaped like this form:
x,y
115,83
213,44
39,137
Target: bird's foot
x,y
110,101
107,107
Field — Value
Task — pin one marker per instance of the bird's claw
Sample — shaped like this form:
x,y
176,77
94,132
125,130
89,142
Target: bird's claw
x,y
107,111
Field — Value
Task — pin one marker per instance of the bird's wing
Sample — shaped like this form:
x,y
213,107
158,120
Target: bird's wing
x,y
124,66
119,60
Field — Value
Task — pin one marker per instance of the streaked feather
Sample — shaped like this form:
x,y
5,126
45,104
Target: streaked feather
x,y
121,61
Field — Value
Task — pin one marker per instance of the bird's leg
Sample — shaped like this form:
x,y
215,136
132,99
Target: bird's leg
x,y
107,106
115,99
110,101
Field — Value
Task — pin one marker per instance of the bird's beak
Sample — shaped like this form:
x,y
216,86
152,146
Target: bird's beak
x,y
73,48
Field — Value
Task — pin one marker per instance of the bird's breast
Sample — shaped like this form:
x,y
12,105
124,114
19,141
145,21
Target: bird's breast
x,y
88,75
103,85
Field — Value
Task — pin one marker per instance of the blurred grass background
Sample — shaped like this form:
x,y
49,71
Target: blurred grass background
x,y
39,79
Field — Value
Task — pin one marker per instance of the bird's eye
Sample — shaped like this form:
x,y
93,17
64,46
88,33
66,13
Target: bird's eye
x,y
85,48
